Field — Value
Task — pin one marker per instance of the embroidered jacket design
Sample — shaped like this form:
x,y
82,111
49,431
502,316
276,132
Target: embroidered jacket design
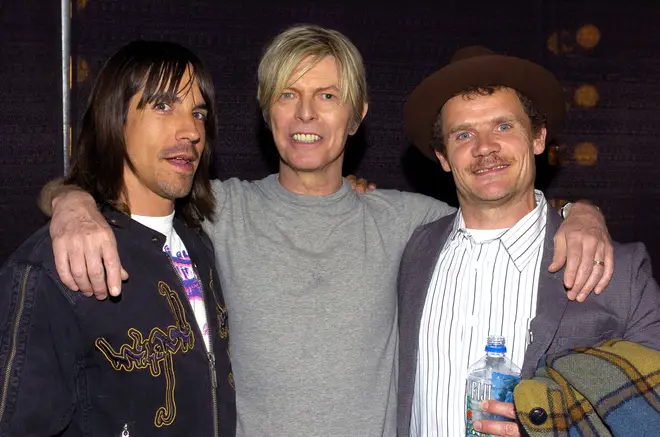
x,y
223,323
223,327
155,352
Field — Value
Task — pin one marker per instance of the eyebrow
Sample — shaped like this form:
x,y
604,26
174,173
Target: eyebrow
x,y
494,121
505,119
316,90
179,100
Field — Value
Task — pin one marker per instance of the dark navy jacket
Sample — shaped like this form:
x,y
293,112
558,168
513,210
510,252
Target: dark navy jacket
x,y
129,366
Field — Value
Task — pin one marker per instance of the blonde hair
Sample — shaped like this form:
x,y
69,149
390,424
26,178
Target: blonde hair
x,y
289,48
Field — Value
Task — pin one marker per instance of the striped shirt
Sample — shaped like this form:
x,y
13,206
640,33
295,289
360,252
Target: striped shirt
x,y
484,283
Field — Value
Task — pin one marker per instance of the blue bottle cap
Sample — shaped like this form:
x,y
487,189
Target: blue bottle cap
x,y
496,344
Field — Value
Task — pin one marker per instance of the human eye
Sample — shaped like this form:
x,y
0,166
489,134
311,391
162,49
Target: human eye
x,y
504,127
199,115
286,95
328,96
162,106
462,136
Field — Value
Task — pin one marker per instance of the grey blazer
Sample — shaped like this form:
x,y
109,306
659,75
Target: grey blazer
x,y
628,308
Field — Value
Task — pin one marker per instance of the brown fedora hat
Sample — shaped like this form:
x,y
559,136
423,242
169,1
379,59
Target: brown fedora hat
x,y
473,67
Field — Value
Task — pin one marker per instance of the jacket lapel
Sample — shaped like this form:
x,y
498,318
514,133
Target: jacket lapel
x,y
551,302
417,266
419,285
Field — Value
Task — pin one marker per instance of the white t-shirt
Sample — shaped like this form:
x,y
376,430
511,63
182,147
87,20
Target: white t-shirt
x,y
177,252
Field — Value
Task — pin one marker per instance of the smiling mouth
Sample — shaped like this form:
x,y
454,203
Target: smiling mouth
x,y
180,160
182,164
489,169
306,138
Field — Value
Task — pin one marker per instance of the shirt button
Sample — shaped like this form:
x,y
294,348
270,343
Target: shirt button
x,y
154,239
538,416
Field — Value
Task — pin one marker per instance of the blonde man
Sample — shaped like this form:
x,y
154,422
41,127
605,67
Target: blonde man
x,y
308,266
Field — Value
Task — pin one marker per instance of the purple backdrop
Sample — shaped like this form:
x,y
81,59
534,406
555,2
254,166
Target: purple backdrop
x,y
607,57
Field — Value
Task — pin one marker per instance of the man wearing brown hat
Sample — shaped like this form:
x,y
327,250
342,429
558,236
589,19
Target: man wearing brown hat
x,y
484,270
308,267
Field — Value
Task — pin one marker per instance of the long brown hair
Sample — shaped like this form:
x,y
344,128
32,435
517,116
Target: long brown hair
x,y
99,155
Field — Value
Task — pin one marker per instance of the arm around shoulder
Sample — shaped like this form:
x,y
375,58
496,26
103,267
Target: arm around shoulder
x,y
37,366
54,191
425,209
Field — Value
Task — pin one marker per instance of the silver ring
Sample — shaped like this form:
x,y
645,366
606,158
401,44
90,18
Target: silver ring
x,y
599,263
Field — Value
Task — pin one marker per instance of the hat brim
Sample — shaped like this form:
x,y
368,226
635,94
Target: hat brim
x,y
424,104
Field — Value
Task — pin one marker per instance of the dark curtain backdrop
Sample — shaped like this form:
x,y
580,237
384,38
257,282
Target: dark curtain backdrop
x,y
30,114
606,54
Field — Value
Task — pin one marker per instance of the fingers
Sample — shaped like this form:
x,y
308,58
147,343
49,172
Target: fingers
x,y
608,268
492,427
84,248
78,264
595,276
62,264
559,256
95,269
587,241
585,247
112,267
505,409
362,185
500,428
579,261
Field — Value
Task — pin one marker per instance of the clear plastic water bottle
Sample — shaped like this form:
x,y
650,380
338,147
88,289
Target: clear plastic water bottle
x,y
494,376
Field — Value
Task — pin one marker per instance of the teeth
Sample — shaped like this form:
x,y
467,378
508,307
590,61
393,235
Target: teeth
x,y
305,138
484,170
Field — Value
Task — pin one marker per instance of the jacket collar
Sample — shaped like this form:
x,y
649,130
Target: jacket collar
x,y
521,239
121,221
551,299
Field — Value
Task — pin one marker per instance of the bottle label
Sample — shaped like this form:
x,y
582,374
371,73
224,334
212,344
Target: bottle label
x,y
475,393
503,386
469,419
500,389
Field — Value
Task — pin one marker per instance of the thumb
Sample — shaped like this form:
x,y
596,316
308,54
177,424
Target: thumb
x,y
559,256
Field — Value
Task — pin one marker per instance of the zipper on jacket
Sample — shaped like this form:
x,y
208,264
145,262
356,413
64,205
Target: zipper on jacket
x,y
14,339
214,388
209,354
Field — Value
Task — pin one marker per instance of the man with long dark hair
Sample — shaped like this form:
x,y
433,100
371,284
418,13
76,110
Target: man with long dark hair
x,y
308,266
155,361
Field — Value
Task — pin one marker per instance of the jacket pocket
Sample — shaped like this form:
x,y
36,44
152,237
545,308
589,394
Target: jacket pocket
x,y
572,341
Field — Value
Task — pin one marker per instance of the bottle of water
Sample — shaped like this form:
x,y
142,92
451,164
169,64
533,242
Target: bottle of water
x,y
492,377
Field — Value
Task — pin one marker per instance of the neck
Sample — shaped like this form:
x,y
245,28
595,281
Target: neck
x,y
503,214
148,209
145,202
317,183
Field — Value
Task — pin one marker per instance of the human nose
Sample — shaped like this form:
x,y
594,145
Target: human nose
x,y
305,110
486,144
188,129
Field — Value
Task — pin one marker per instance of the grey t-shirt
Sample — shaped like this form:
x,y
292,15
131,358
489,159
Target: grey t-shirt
x,y
310,286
